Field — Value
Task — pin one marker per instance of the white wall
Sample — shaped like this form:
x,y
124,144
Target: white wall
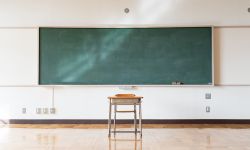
x,y
232,51
158,103
13,99
19,58
92,12
19,55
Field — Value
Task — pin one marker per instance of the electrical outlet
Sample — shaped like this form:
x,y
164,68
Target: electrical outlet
x,y
38,110
45,110
208,96
24,110
52,110
208,109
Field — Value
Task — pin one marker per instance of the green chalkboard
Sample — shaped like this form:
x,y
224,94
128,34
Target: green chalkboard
x,y
125,56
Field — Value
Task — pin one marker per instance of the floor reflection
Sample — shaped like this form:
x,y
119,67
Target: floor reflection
x,y
130,143
96,139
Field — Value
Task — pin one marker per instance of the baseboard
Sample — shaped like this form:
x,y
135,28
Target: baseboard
x,y
144,121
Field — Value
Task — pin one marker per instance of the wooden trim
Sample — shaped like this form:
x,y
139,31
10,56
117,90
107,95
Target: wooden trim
x,y
145,121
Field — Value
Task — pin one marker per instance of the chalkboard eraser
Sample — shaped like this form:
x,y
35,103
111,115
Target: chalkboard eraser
x,y
127,87
177,83
174,83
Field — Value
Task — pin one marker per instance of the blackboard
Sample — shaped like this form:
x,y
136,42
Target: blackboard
x,y
125,56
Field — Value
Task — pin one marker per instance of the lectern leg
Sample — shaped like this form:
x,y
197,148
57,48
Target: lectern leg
x,y
140,120
115,120
109,121
135,119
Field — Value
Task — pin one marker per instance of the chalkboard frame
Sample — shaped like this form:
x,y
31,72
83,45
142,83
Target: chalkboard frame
x,y
131,86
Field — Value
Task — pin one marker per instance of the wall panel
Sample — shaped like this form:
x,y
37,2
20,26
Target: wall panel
x,y
111,12
232,51
18,56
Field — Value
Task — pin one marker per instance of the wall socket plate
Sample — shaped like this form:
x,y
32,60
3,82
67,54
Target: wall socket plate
x,y
45,110
38,110
208,96
24,110
208,109
52,110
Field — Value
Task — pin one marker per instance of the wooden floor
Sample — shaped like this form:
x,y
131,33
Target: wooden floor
x,y
94,137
